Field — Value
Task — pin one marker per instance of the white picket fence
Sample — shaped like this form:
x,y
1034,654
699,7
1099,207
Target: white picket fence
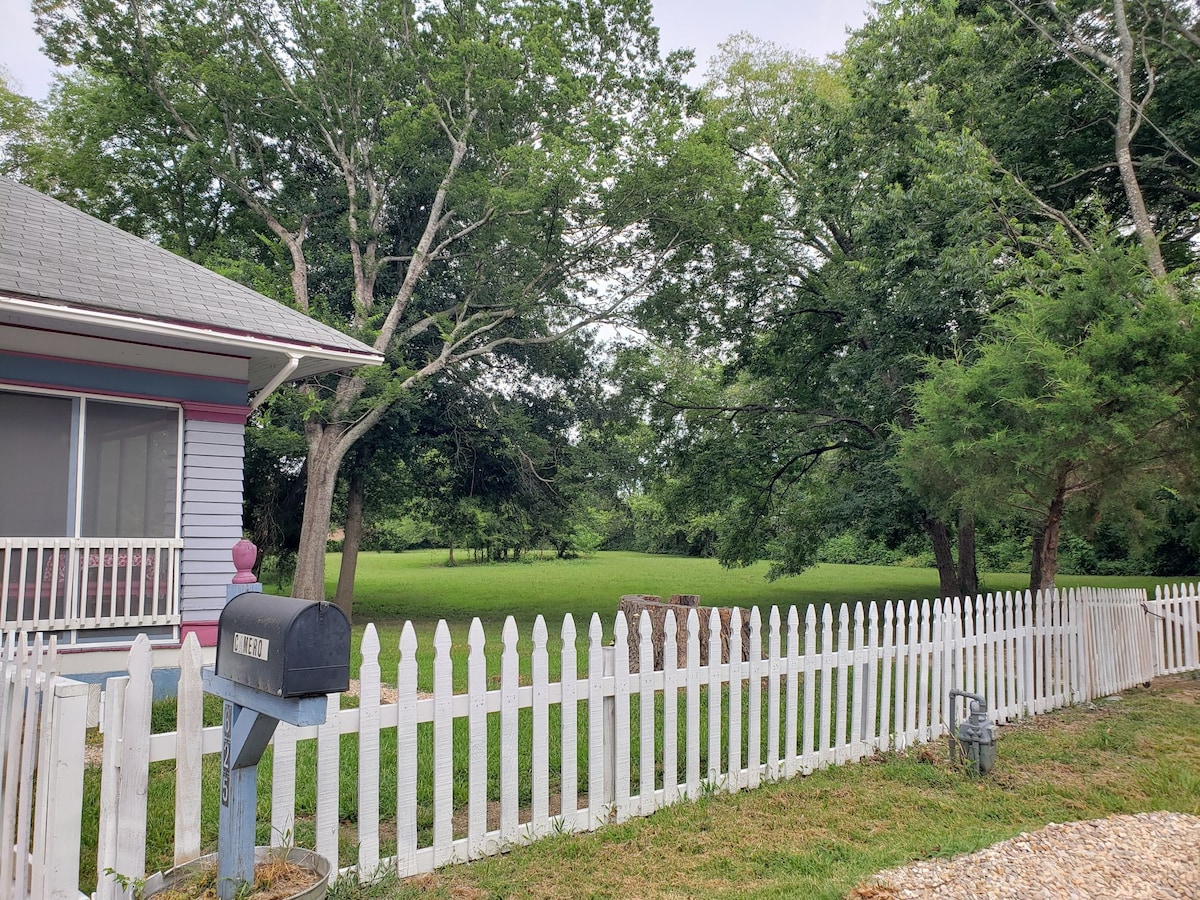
x,y
532,757
1175,629
42,725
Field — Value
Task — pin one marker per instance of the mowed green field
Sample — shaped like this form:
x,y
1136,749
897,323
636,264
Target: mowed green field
x,y
417,586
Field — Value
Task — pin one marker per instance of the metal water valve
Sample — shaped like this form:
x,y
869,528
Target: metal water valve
x,y
975,738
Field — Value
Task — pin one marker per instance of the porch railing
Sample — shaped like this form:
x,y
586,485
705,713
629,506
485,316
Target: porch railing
x,y
82,584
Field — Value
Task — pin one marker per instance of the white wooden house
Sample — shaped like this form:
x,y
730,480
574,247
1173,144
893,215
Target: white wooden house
x,y
126,377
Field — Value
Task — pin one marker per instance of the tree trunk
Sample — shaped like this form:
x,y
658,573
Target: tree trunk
x,y
944,554
324,460
344,597
1126,128
968,574
1043,566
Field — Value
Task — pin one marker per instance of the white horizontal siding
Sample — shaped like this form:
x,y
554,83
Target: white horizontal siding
x,y
212,514
215,547
211,525
192,508
220,567
211,491
217,437
217,475
215,458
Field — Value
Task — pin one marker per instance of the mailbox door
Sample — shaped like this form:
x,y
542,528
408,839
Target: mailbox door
x,y
318,652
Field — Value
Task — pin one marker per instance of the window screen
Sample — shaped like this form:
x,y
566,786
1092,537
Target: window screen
x,y
130,458
36,466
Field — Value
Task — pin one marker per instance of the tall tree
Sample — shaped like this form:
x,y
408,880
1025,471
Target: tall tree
x,y
884,205
1090,380
860,230
442,180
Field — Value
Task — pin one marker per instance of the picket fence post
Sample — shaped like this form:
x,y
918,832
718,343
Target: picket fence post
x,y
842,658
509,718
57,838
646,804
811,667
754,702
406,753
734,764
368,756
599,803
791,694
477,735
189,721
670,708
856,701
328,817
692,705
824,748
569,722
607,732
714,698
540,755
620,736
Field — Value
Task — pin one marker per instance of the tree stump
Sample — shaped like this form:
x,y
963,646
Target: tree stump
x,y
633,605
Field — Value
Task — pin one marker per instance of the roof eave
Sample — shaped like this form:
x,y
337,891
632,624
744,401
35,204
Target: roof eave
x,y
337,357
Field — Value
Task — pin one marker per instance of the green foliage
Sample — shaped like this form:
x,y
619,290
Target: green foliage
x,y
20,124
396,534
854,547
1086,383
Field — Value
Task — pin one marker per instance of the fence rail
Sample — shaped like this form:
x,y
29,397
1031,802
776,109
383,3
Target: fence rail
x,y
442,776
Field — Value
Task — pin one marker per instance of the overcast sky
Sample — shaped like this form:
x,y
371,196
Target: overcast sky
x,y
817,27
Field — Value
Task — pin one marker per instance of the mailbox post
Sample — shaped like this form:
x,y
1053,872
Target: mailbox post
x,y
277,660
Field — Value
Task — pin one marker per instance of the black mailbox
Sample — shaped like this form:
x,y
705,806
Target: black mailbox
x,y
284,646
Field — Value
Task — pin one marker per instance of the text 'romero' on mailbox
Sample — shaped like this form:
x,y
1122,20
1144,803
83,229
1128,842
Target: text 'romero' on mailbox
x,y
284,646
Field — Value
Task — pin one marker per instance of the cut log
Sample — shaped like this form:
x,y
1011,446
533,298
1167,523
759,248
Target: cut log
x,y
632,605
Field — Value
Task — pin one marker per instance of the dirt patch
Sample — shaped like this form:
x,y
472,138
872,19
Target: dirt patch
x,y
387,693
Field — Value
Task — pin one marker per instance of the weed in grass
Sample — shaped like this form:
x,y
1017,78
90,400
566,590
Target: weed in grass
x,y
133,887
711,787
382,885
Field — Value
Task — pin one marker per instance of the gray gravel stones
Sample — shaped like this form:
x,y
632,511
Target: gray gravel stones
x,y
1149,855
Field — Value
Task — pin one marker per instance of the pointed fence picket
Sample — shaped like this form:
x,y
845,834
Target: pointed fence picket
x,y
820,687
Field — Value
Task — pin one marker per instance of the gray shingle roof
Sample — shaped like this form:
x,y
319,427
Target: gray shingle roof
x,y
52,251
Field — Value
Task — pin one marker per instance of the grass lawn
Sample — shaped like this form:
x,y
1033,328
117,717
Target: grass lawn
x,y
418,586
819,836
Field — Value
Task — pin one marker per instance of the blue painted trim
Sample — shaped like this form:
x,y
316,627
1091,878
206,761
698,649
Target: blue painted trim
x,y
71,375
165,682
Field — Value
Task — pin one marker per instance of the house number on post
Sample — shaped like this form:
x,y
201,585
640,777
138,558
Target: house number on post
x,y
226,749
